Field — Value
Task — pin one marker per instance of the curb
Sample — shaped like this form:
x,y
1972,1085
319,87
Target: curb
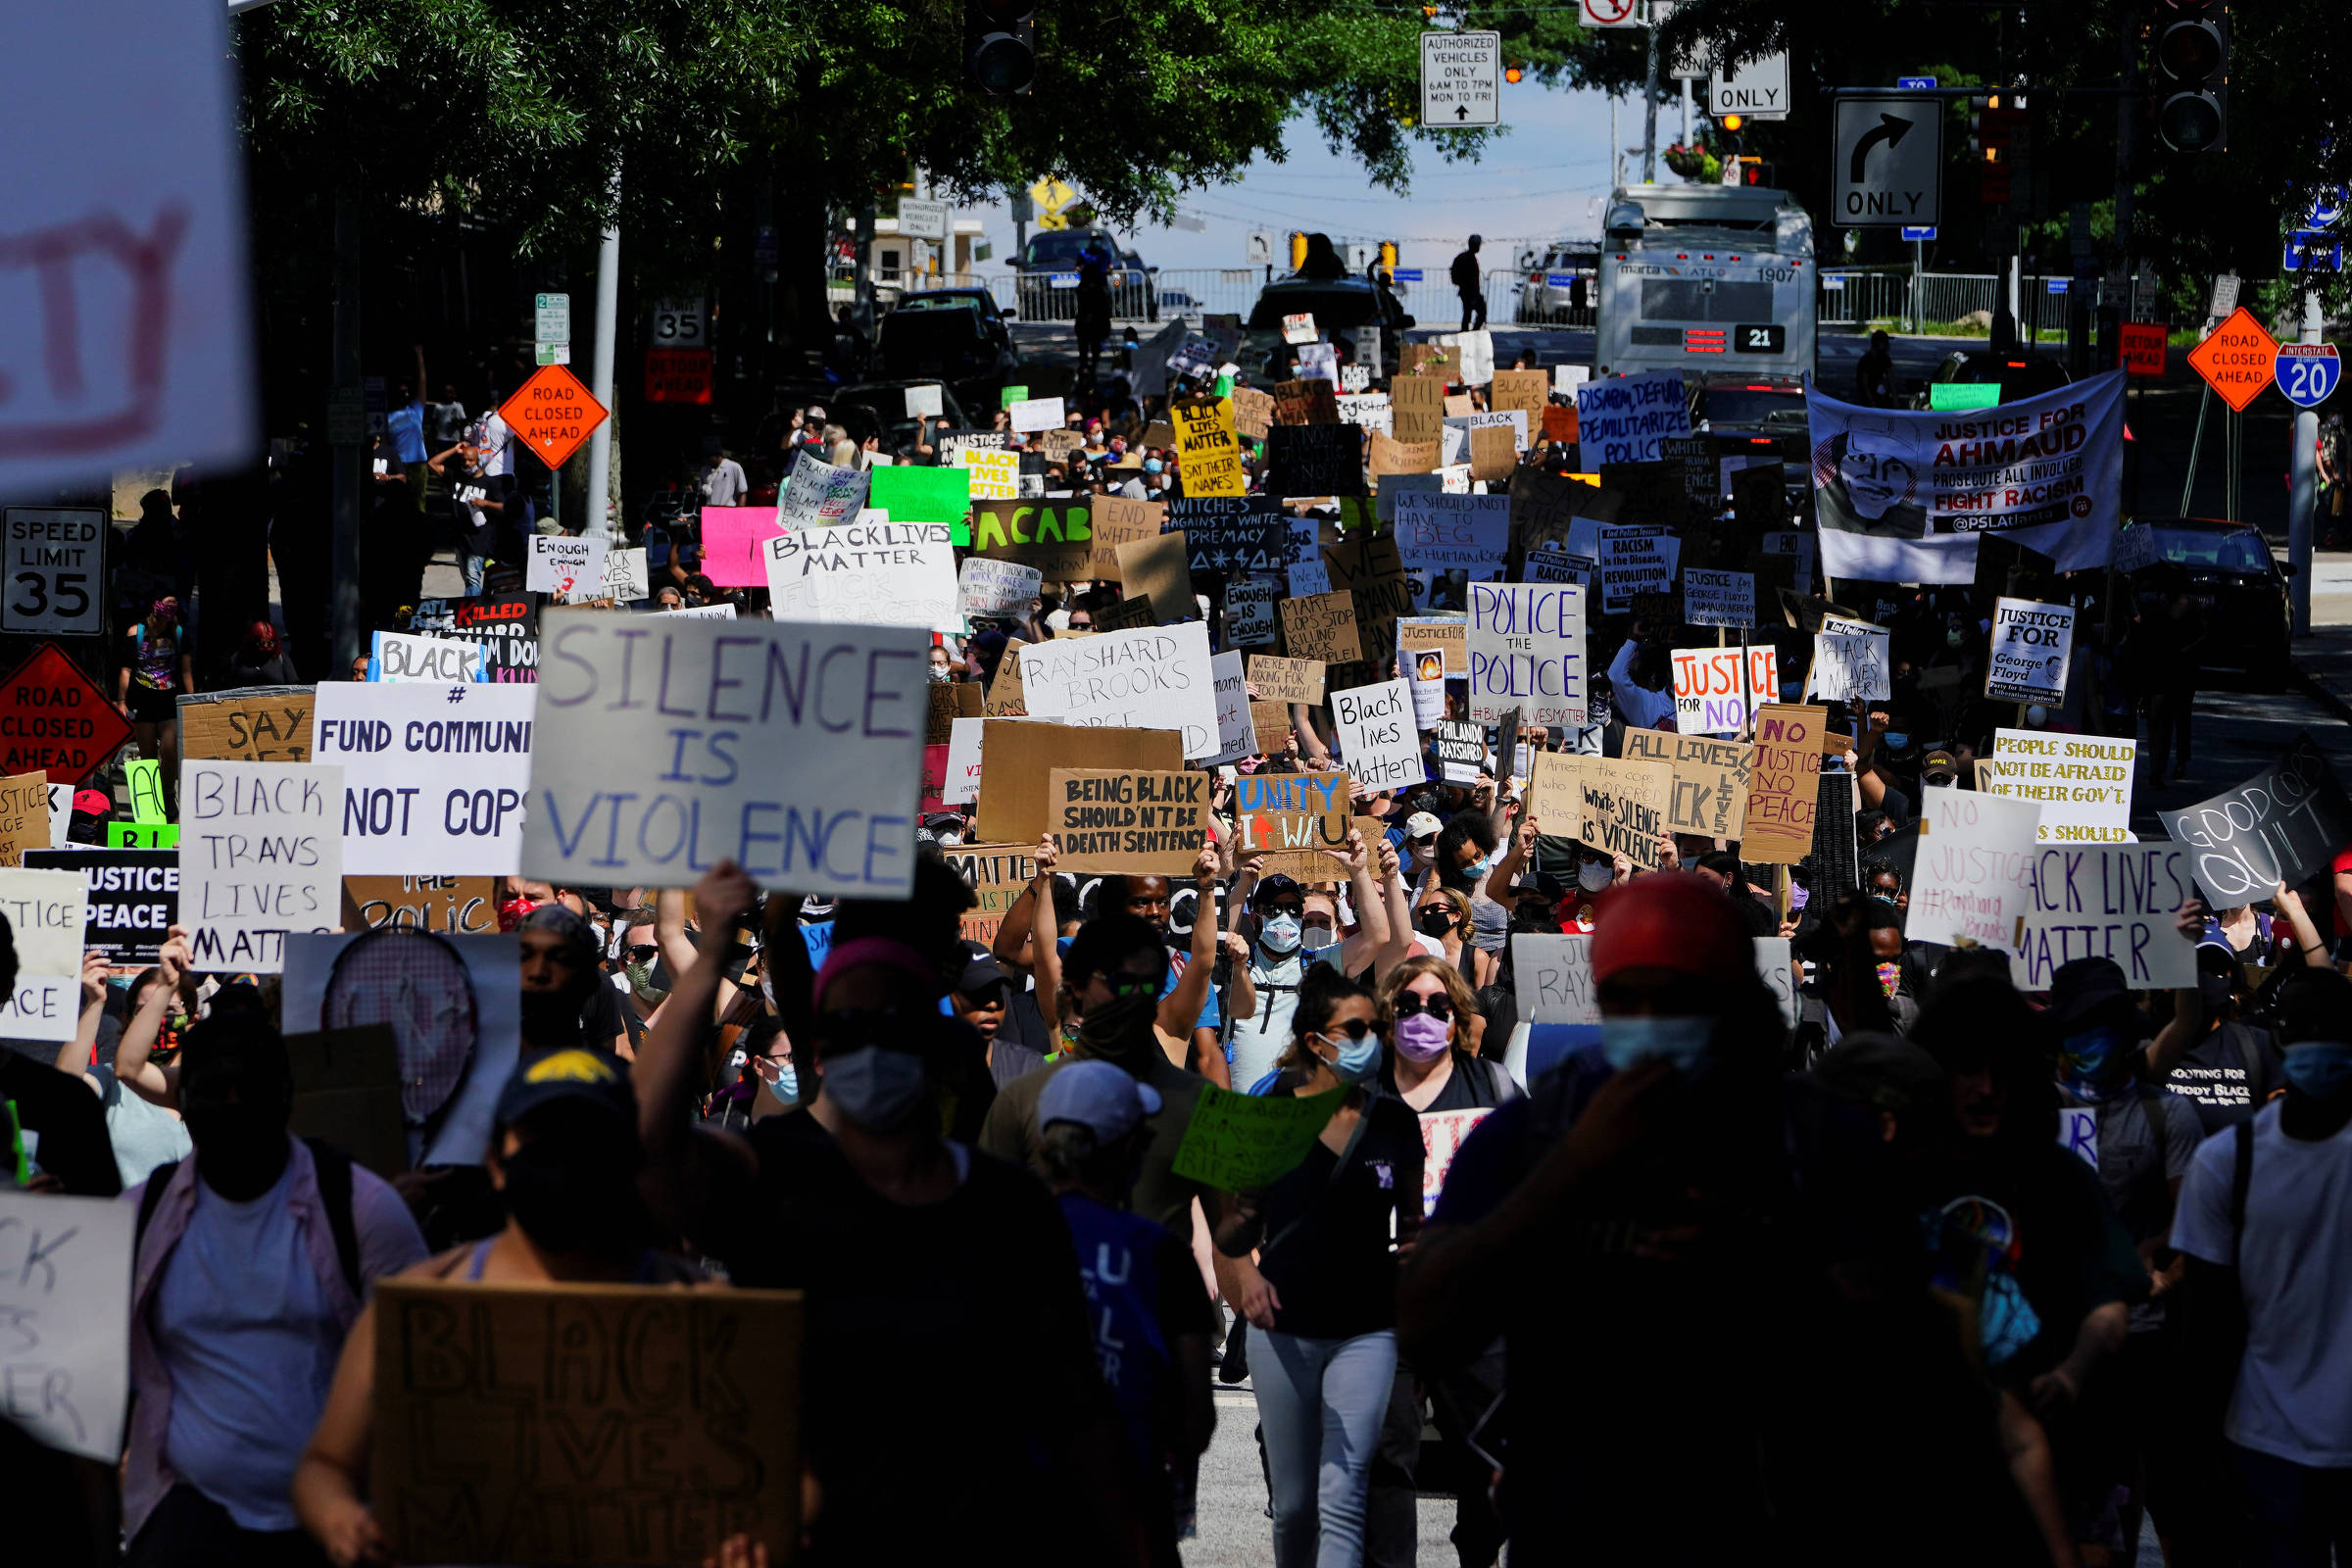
x,y
2321,692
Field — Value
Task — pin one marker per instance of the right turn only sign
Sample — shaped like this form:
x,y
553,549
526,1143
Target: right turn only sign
x,y
1887,158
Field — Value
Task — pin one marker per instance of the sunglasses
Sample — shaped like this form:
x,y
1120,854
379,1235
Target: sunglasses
x,y
1081,626
1354,1029
642,952
1438,1006
1127,985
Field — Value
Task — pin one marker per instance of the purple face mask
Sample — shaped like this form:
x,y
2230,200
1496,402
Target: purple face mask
x,y
1421,1036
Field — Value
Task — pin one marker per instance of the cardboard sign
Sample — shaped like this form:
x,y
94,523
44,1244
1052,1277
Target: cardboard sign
x,y
1014,805
347,1090
1270,723
1971,875
1439,532
1136,821
1035,413
1448,635
994,590
993,473
1240,1143
1208,452
1052,534
1718,598
1253,411
1229,533
1368,568
561,563
1316,460
1759,499
259,725
1153,678
1849,662
131,897
65,1294
1116,522
1628,418
1784,788
1130,614
2032,645
1526,644
1419,408
1291,820
817,494
263,857
1320,629
505,626
2107,900
1555,791
1708,699
1249,612
794,744
1528,390
455,905
48,915
1493,454
1298,329
733,539
1553,978
2083,783
1305,402
1389,456
1367,411
1710,780
624,581
434,780
871,572
1288,680
474,1464
2284,824
1006,699
1156,572
25,817
950,701
997,874
1624,805
1376,734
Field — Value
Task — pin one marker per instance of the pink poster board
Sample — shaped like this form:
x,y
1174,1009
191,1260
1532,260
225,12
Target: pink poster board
x,y
732,537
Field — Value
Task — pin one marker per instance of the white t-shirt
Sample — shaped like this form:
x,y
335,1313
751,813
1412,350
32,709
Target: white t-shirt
x,y
1262,1037
497,445
2295,1274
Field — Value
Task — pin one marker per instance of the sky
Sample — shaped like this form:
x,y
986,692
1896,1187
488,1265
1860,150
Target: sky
x,y
1533,185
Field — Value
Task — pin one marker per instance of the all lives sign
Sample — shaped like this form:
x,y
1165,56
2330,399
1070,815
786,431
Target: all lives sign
x,y
1462,79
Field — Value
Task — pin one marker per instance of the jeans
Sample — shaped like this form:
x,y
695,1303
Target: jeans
x,y
189,1530
469,568
1321,1402
2295,1513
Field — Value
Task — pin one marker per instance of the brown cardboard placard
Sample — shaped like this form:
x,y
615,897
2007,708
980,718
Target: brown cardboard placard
x,y
1521,389
1321,627
1710,779
1118,521
1438,362
23,815
1120,614
996,875
259,725
1253,412
1052,533
1554,798
951,701
574,1423
1158,434
1450,638
1006,699
1305,402
1143,820
1784,788
455,905
1493,454
1289,680
1559,423
1270,723
1370,567
1624,805
1459,405
1290,819
1402,456
347,1090
1416,408
1758,501
1156,570
1057,445
1021,751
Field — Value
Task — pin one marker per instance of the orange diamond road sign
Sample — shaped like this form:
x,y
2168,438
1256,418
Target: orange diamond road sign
x,y
2235,361
554,413
2144,348
54,721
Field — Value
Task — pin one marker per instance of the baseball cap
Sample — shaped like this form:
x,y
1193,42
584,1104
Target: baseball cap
x,y
981,971
813,412
1939,762
1273,887
93,801
1672,920
1421,824
1883,1073
1104,1099
2083,989
585,1077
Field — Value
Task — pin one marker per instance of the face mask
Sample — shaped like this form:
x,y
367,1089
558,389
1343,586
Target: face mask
x,y
787,1087
1424,854
1435,921
1897,739
641,981
875,1087
2086,1058
1890,979
1317,937
1357,1058
1423,1037
1280,934
566,1200
1881,895
1120,1030
1593,875
1682,1041
941,674
1689,862
1953,637
2320,1069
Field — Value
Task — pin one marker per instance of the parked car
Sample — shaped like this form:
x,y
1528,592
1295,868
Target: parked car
x,y
2229,572
1559,286
1045,276
1343,303
1753,416
955,335
2022,374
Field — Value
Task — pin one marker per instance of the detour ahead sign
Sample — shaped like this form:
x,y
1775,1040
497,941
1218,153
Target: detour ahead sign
x,y
553,415
2236,360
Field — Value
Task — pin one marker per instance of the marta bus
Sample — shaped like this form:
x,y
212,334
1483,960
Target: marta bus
x,y
1705,278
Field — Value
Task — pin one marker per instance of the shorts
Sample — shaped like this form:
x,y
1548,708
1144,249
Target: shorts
x,y
152,706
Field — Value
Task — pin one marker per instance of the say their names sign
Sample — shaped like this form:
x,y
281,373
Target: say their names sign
x,y
793,750
1150,678
1377,738
1718,598
2032,644
1208,452
1145,822
2083,783
1784,786
432,784
1972,876
261,857
266,724
2108,901
1291,820
1709,698
1525,645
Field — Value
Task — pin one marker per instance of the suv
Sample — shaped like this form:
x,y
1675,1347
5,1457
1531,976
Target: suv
x,y
955,335
2230,572
1559,286
1753,416
1045,276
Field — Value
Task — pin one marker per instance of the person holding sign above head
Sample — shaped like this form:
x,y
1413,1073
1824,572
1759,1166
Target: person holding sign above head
x,y
921,1258
1315,1257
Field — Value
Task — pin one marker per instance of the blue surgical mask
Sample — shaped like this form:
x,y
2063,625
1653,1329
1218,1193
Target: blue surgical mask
x,y
787,1087
2087,1060
1280,934
875,1087
1897,739
1357,1058
1684,1041
2320,1069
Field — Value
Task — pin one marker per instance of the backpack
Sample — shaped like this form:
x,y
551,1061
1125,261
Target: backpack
x,y
334,1192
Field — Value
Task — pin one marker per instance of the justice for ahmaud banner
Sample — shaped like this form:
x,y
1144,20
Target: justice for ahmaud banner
x,y
1902,495
793,750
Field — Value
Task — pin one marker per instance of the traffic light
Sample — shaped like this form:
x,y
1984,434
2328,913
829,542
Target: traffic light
x,y
1992,132
1000,45
1298,250
1388,255
1757,171
2192,74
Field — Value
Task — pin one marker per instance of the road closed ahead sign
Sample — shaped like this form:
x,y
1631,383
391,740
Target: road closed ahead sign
x,y
2236,360
553,415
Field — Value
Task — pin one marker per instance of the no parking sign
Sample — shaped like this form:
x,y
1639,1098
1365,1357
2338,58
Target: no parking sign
x,y
2307,372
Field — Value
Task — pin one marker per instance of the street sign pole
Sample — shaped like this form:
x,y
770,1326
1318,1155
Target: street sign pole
x,y
2304,495
598,520
1649,114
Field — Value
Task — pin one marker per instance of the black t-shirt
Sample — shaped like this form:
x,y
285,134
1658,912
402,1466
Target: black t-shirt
x,y
72,1123
909,1422
2229,1074
1333,1230
1476,1083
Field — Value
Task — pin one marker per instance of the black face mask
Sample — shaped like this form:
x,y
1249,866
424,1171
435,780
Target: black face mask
x,y
2215,991
551,1019
1435,921
568,1198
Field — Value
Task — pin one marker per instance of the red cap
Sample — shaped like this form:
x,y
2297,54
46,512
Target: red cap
x,y
1668,921
93,801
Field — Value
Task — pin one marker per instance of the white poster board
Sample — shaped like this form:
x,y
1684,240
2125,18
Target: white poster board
x,y
2108,901
864,573
48,915
1527,651
563,564
995,589
64,1295
2083,783
1708,696
1146,677
1237,737
1377,739
819,495
1851,661
794,750
433,782
397,656
1036,414
2032,645
261,855
1972,878
625,580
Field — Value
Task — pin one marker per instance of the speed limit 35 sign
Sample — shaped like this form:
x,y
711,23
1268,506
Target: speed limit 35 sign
x,y
55,570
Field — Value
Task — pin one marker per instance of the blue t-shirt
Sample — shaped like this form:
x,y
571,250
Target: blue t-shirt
x,y
406,427
1210,1017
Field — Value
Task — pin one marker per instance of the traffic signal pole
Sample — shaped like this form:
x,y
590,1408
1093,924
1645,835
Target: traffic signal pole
x,y
598,520
2303,496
